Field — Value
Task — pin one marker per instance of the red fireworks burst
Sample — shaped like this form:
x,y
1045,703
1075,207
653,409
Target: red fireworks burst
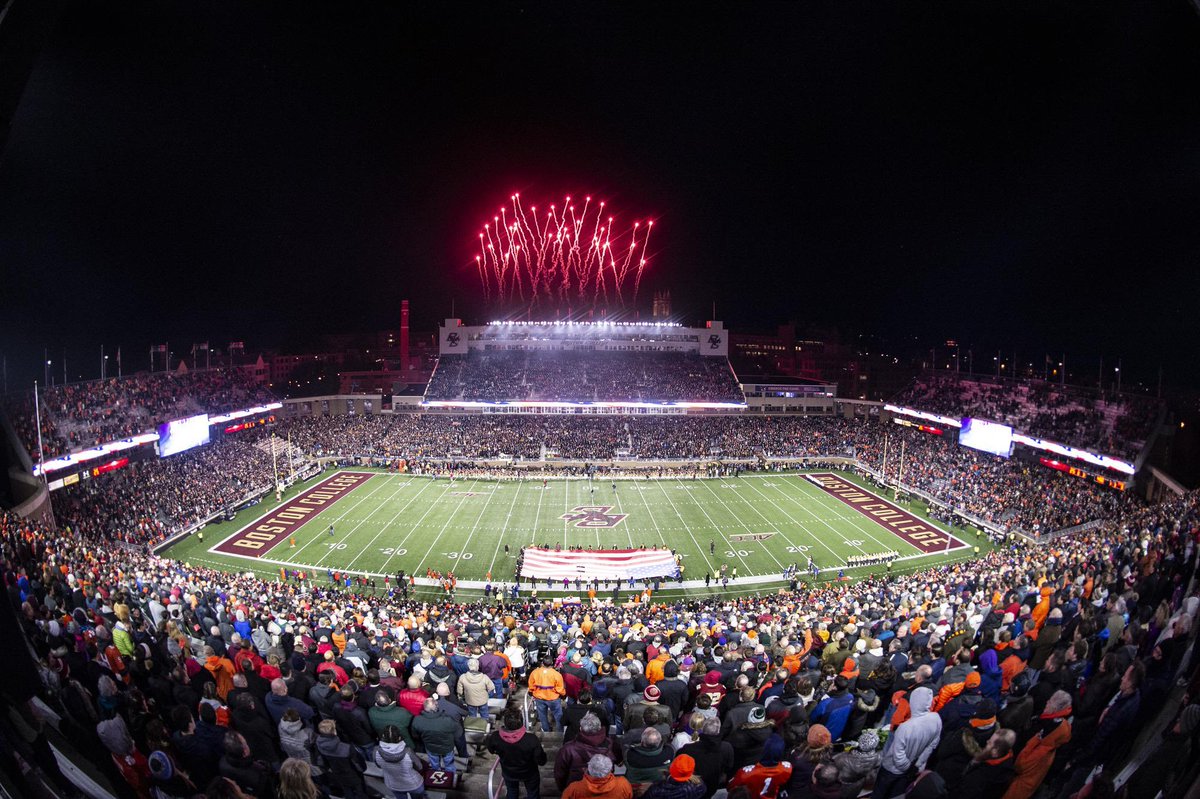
x,y
561,255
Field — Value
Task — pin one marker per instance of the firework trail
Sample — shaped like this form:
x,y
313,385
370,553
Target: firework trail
x,y
564,254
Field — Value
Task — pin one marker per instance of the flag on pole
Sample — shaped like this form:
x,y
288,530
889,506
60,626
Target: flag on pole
x,y
605,564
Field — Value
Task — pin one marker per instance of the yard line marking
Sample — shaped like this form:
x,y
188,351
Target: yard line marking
x,y
653,521
683,523
769,523
748,530
836,556
384,526
438,537
628,532
463,546
346,538
504,529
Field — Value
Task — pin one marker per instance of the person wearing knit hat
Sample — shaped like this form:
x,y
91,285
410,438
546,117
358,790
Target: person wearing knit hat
x,y
858,766
818,736
680,783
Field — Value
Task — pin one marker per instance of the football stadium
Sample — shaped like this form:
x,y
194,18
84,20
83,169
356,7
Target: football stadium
x,y
405,519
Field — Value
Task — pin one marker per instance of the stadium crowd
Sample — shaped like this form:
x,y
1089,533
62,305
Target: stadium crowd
x,y
584,376
1114,425
81,415
1022,674
154,498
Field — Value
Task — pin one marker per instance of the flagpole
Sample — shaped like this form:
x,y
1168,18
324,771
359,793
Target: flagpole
x,y
37,412
886,434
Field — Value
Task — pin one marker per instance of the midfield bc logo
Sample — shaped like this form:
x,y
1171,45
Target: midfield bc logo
x,y
594,516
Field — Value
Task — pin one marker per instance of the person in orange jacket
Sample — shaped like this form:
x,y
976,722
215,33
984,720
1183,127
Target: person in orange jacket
x,y
221,669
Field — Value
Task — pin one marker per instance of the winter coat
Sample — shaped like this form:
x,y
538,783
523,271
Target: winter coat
x,y
748,741
987,779
1036,758
914,741
252,776
672,789
648,765
440,674
833,711
609,787
395,716
412,700
402,769
278,705
1046,641
674,695
990,675
856,770
222,671
714,761
571,762
258,732
345,764
474,688
959,710
438,731
521,754
352,724
298,741
957,749
1116,722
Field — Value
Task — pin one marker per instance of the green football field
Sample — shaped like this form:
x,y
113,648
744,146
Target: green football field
x,y
390,522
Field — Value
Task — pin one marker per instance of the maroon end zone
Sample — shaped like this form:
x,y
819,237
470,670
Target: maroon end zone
x,y
920,534
267,531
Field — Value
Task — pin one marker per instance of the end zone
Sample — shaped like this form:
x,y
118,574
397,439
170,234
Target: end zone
x,y
260,535
921,534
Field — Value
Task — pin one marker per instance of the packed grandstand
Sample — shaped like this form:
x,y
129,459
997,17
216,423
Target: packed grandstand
x,y
1059,664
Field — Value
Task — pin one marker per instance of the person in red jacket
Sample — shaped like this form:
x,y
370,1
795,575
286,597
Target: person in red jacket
x,y
413,697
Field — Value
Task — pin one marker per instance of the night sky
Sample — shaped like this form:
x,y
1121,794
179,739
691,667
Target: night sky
x,y
1024,175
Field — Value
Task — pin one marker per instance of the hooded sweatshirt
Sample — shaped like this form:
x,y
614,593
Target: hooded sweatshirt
x,y
400,767
915,739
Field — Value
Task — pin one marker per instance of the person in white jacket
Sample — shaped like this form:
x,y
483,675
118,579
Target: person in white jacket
x,y
909,747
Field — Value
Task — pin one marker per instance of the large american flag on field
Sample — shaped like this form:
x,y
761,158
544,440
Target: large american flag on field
x,y
604,564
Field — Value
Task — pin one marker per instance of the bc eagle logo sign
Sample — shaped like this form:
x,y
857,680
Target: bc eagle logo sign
x,y
593,516
714,342
452,339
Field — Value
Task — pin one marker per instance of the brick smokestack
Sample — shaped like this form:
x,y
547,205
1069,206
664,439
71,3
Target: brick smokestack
x,y
404,335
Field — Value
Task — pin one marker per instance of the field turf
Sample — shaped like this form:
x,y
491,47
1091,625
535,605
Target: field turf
x,y
386,522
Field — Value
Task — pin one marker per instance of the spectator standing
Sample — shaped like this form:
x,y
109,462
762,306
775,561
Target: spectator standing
x,y
402,769
546,686
439,733
681,781
474,688
599,782
911,745
521,755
